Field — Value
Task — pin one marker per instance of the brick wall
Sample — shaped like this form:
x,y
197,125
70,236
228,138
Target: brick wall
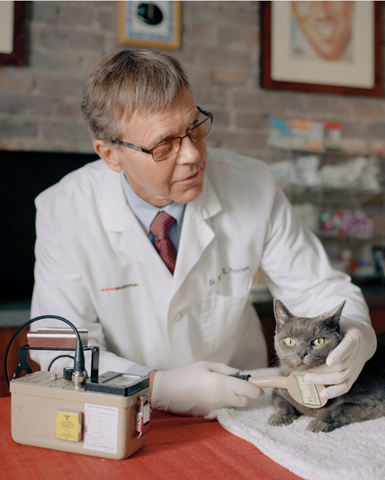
x,y
39,103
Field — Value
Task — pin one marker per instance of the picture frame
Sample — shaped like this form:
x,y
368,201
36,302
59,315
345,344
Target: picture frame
x,y
156,24
16,57
292,60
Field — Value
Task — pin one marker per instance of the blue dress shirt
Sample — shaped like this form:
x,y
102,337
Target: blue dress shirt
x,y
145,213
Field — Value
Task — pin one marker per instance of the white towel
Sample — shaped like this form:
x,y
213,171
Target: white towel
x,y
354,452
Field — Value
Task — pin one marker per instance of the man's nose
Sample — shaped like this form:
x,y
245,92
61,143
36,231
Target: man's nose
x,y
188,152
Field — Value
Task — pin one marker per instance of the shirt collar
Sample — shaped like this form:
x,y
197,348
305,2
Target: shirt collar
x,y
144,211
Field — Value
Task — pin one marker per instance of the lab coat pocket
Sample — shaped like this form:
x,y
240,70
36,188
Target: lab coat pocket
x,y
221,320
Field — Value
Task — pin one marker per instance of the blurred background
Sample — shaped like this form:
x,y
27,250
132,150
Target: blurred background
x,y
324,145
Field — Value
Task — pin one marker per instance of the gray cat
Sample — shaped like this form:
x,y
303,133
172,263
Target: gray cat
x,y
302,343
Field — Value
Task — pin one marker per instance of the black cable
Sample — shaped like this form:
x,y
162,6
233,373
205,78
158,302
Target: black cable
x,y
56,358
79,353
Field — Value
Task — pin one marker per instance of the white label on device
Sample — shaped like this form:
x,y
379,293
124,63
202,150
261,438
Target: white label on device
x,y
101,428
308,391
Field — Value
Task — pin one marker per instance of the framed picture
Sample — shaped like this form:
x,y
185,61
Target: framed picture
x,y
324,47
12,33
150,24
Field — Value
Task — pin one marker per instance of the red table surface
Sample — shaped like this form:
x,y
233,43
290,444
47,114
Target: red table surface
x,y
181,448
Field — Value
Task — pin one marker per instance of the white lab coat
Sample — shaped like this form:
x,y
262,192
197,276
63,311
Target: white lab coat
x,y
96,267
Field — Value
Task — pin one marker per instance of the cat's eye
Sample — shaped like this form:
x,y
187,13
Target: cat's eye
x,y
318,342
290,342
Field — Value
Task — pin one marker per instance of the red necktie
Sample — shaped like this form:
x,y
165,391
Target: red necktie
x,y
159,228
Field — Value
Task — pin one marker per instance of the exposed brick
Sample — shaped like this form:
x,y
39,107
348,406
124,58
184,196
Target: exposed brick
x,y
68,109
273,102
61,86
87,63
199,34
52,62
229,12
23,105
311,106
63,146
221,118
243,141
219,57
76,13
230,36
241,13
46,12
194,14
247,100
14,127
252,37
230,77
40,103
20,80
215,138
103,5
352,129
199,80
207,98
251,120
369,108
375,130
187,56
63,131
68,38
107,20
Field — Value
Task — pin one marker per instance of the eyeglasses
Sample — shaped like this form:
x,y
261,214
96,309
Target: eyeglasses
x,y
163,151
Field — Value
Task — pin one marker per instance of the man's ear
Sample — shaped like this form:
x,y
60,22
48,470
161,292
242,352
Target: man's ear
x,y
109,154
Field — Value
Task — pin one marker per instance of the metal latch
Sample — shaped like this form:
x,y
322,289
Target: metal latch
x,y
143,416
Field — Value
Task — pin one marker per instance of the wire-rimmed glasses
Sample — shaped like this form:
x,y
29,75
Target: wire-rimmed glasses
x,y
169,148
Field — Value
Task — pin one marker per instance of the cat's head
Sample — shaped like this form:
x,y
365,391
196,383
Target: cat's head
x,y
302,343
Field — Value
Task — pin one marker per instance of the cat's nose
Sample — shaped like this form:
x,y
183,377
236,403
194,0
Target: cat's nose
x,y
302,355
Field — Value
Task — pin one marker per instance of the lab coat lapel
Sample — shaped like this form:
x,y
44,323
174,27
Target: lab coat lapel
x,y
118,217
135,242
197,233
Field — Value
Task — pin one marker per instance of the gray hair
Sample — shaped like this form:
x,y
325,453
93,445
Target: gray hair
x,y
124,83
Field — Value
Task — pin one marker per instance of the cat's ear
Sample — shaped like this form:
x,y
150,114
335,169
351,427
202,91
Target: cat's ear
x,y
282,314
332,318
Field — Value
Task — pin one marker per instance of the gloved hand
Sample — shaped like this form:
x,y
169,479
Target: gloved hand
x,y
201,388
344,363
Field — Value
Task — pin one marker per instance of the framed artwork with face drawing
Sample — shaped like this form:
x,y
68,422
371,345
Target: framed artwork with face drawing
x,y
150,24
324,47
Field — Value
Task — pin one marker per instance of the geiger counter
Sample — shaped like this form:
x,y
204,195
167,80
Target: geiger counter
x,y
104,415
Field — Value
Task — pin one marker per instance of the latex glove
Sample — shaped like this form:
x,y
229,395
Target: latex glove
x,y
201,388
345,363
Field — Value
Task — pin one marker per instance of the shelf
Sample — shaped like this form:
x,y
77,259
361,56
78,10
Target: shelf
x,y
340,197
378,238
330,151
325,236
351,210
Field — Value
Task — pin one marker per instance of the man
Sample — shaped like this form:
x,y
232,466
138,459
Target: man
x,y
153,248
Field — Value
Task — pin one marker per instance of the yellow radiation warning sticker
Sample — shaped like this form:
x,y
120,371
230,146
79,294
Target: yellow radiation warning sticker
x,y
69,426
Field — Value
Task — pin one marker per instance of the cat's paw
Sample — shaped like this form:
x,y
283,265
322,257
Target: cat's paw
x,y
317,426
279,420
